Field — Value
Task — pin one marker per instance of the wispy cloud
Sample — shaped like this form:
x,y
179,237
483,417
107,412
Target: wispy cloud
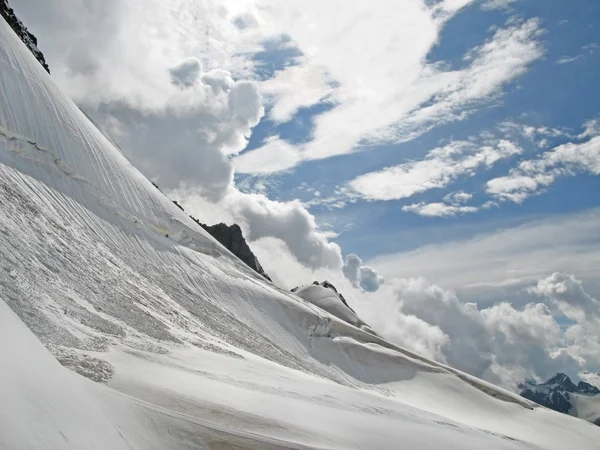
x,y
438,209
490,5
441,167
509,254
532,176
453,205
568,59
397,99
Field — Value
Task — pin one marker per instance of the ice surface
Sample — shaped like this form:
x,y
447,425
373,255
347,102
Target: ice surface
x,y
325,298
189,347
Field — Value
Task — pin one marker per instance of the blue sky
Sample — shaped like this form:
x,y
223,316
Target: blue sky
x,y
559,90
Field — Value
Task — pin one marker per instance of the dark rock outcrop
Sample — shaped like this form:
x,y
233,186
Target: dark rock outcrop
x,y
232,238
587,388
28,39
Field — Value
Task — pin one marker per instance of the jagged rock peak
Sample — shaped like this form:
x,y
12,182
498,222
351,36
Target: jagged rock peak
x,y
232,238
28,39
587,388
562,382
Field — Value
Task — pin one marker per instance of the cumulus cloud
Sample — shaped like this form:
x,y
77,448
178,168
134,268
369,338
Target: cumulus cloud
x,y
567,295
102,51
188,142
500,343
532,176
361,276
441,167
187,72
289,222
260,217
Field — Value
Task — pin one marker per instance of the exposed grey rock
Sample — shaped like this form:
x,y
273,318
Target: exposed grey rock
x,y
28,39
232,238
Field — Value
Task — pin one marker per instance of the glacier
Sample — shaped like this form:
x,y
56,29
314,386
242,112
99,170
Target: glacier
x,y
171,341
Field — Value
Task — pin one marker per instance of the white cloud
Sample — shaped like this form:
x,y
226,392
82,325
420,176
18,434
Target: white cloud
x,y
517,188
187,72
591,128
501,343
453,205
490,5
441,167
457,198
282,90
591,377
438,209
568,59
532,133
508,256
102,51
566,293
531,176
392,99
361,276
275,156
261,217
187,144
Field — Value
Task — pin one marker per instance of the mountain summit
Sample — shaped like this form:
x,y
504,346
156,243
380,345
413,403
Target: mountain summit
x,y
561,394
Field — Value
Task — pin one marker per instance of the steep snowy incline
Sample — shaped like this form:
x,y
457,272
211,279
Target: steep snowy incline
x,y
45,406
186,341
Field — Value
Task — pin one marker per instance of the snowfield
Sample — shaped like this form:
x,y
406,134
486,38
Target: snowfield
x,y
179,343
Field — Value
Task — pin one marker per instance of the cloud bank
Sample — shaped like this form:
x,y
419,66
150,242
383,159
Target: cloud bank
x,y
500,343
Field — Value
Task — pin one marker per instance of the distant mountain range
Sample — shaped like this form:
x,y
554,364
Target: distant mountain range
x,y
561,394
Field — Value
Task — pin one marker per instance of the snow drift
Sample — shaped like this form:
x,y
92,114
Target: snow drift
x,y
189,347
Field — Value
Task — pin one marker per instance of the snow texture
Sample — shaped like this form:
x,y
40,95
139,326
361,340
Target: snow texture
x,y
191,348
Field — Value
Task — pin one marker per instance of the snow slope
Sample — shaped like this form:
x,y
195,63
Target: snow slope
x,y
189,347
327,299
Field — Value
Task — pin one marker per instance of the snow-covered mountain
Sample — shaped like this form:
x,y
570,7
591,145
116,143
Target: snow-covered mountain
x,y
180,344
561,394
326,296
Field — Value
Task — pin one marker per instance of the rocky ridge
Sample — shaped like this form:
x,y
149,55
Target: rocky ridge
x,y
28,39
